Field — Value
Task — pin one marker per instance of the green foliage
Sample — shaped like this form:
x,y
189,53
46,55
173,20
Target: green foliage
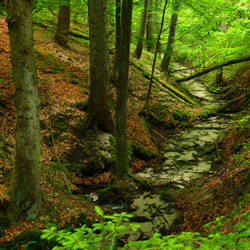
x,y
243,122
59,171
104,234
215,89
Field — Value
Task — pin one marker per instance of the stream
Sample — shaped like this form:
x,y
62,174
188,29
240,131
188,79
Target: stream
x,y
185,159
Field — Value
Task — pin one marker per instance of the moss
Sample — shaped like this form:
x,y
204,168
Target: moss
x,y
82,105
142,152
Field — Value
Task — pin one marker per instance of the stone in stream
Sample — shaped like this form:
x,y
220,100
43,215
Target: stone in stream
x,y
187,156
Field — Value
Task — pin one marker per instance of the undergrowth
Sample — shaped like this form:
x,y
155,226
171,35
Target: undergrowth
x,y
104,235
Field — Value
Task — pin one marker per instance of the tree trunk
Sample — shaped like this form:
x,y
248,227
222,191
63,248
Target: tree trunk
x,y
150,28
139,48
62,32
98,108
157,16
171,37
25,189
218,81
122,164
117,39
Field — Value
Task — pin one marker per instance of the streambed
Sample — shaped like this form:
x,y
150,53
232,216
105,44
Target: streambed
x,y
186,158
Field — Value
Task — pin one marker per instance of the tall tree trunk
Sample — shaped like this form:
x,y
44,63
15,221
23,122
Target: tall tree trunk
x,y
223,27
150,28
122,164
139,48
62,32
171,37
25,190
218,81
117,39
157,16
98,108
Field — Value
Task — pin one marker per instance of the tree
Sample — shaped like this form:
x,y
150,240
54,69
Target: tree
x,y
171,37
150,28
98,108
157,17
117,38
122,164
62,32
25,190
139,47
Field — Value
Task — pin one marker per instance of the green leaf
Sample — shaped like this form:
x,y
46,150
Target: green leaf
x,y
99,211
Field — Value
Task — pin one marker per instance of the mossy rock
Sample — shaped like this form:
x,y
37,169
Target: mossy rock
x,y
93,156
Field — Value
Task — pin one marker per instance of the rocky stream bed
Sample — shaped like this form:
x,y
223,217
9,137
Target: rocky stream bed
x,y
186,157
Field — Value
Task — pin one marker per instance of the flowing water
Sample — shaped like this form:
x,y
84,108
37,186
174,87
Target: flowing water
x,y
185,159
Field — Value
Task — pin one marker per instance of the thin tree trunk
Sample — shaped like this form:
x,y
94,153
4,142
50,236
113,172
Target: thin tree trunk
x,y
230,62
171,37
62,32
155,56
122,164
25,189
98,108
139,48
157,17
150,28
117,39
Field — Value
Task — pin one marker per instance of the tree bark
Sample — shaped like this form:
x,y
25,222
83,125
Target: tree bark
x,y
25,189
150,28
230,62
139,48
122,164
98,108
117,39
171,37
62,32
157,15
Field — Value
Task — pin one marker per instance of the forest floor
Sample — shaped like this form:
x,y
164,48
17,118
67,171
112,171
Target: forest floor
x,y
63,82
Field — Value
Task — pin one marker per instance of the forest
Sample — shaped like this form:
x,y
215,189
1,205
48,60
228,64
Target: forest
x,y
124,124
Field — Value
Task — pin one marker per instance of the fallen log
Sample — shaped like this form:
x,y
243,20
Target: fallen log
x,y
234,100
212,68
71,32
173,91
